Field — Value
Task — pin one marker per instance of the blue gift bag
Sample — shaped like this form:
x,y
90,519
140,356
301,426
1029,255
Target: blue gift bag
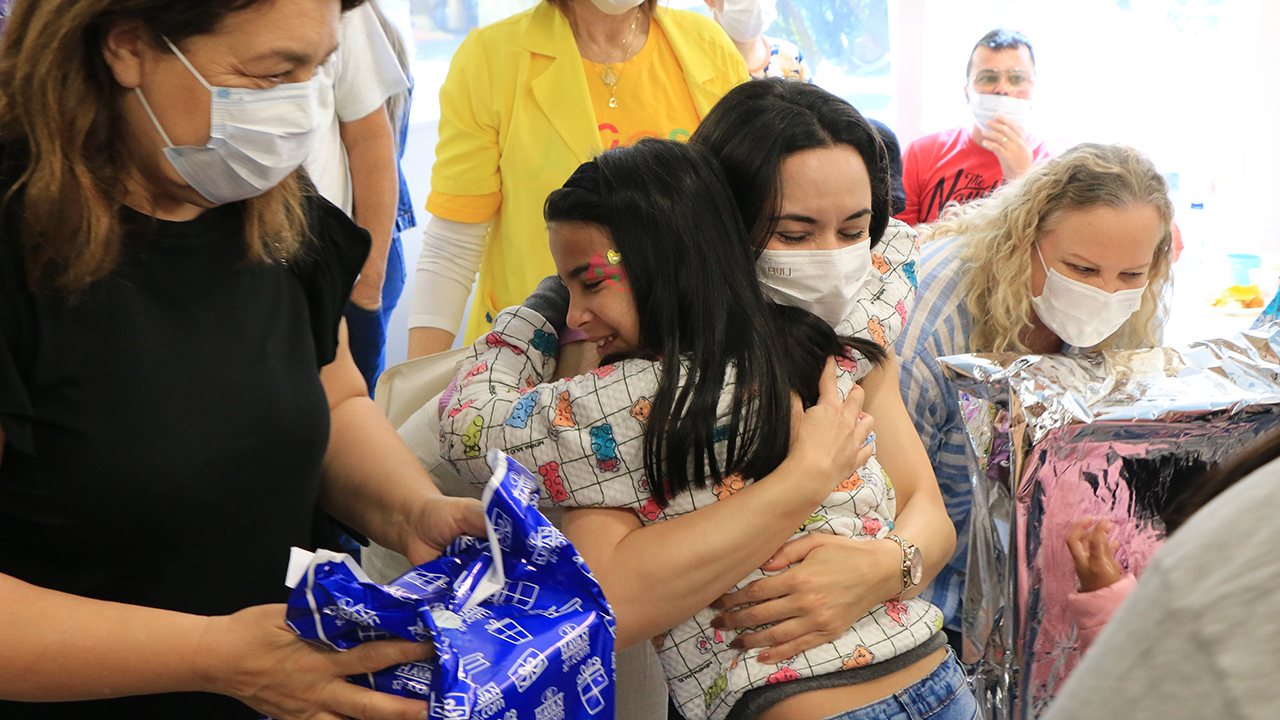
x,y
521,628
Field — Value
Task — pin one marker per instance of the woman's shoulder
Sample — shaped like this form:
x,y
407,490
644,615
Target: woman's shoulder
x,y
333,258
889,292
941,262
685,28
940,317
335,238
688,21
491,42
936,244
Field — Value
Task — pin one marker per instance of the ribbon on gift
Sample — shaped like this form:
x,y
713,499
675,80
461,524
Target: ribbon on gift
x,y
521,627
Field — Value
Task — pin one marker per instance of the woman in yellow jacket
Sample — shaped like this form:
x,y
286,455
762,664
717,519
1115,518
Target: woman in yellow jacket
x,y
527,100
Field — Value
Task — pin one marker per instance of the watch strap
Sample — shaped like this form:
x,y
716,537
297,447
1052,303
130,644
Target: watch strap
x,y
908,557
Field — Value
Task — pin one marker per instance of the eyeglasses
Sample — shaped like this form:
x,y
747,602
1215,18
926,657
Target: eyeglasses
x,y
989,79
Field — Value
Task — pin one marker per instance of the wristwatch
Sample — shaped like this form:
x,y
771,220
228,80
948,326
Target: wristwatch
x,y
912,564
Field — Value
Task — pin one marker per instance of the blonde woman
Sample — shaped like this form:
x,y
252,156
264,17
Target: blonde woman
x,y
1074,255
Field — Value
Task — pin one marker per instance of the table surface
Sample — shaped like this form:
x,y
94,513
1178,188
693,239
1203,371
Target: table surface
x,y
1190,319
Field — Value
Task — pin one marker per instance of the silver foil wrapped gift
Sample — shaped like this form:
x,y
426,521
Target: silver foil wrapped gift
x,y
1057,438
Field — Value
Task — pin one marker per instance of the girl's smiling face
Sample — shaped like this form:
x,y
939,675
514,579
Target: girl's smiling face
x,y
601,303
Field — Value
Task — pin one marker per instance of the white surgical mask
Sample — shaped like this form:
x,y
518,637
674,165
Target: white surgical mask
x,y
746,20
256,138
616,7
827,283
986,107
1079,313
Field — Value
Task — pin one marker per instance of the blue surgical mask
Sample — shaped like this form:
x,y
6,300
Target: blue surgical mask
x,y
256,138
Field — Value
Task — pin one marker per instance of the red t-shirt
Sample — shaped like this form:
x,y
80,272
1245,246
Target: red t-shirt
x,y
948,168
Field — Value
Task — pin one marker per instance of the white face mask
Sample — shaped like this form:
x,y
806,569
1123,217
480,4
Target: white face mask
x,y
1079,313
746,20
616,7
256,138
986,107
827,283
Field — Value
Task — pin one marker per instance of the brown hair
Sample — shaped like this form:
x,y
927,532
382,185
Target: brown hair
x,y
59,99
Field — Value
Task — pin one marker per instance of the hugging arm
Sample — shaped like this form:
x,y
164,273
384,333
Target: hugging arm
x,y
922,517
657,575
837,580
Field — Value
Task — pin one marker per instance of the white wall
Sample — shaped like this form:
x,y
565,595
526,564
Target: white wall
x,y
1195,93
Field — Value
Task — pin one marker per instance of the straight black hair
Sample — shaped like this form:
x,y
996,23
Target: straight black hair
x,y
759,124
670,214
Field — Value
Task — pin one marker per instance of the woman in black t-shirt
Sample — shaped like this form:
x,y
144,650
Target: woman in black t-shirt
x,y
175,396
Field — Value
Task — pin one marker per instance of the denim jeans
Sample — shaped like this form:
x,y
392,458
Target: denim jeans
x,y
942,695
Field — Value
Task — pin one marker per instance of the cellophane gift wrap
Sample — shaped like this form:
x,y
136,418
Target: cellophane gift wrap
x,y
521,628
1058,438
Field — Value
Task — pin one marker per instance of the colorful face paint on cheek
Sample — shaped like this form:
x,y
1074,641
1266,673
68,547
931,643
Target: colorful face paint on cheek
x,y
608,267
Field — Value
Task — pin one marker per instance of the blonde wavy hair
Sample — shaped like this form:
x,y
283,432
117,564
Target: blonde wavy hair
x,y
60,102
1001,231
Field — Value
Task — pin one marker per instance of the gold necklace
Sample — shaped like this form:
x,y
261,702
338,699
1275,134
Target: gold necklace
x,y
607,74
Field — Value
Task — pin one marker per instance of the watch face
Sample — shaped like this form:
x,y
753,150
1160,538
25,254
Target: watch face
x,y
917,566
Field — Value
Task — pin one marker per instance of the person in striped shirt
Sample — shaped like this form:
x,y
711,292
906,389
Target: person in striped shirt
x,y
1075,255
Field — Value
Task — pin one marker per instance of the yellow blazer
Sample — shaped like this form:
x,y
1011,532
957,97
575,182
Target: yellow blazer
x,y
516,117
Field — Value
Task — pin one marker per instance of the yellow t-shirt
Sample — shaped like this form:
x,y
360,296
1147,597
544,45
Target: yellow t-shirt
x,y
653,98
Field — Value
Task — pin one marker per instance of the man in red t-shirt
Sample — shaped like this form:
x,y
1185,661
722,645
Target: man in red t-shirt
x,y
955,166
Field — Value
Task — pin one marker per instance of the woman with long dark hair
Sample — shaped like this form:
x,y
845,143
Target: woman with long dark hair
x,y
811,179
678,455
